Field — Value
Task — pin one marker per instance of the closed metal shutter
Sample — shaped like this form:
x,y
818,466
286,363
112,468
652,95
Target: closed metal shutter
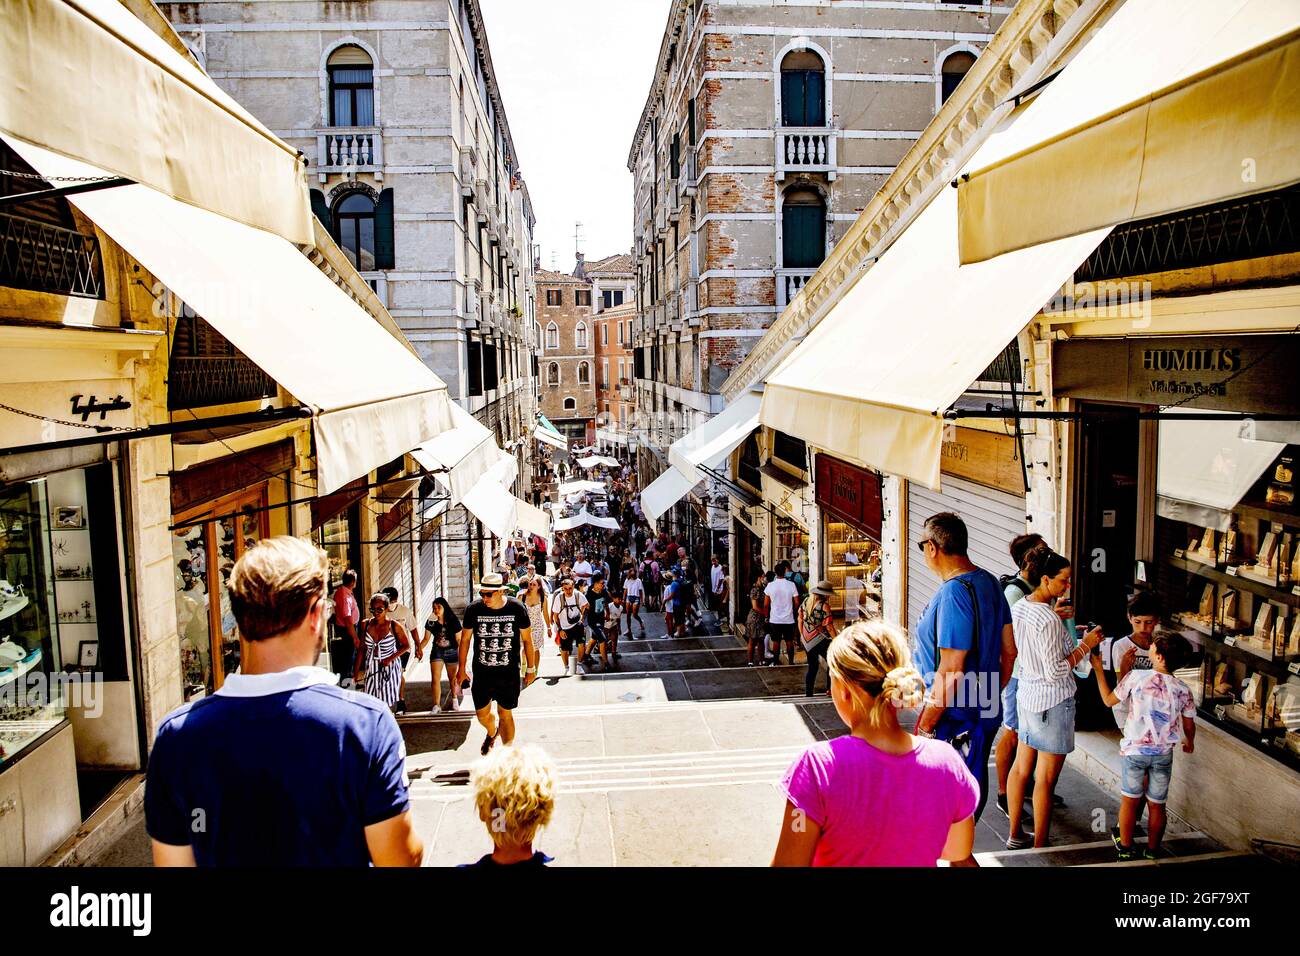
x,y
992,519
395,565
431,585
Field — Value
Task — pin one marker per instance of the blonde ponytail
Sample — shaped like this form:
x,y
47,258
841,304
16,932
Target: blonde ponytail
x,y
872,659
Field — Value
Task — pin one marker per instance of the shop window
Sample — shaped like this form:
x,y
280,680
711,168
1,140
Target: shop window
x,y
803,230
748,468
790,450
954,68
803,89
351,87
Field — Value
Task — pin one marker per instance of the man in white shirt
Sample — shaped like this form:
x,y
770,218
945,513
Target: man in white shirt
x,y
716,573
568,609
1134,652
780,599
583,569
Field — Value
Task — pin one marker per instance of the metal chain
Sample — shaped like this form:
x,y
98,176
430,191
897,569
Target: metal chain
x,y
59,421
56,179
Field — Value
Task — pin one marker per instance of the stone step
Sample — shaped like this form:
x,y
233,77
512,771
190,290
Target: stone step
x,y
1177,848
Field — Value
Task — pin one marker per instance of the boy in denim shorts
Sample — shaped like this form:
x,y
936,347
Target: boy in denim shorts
x,y
1160,714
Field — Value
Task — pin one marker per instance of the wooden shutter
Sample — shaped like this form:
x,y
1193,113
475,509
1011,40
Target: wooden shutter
x,y
814,98
474,364
803,236
384,252
793,98
320,208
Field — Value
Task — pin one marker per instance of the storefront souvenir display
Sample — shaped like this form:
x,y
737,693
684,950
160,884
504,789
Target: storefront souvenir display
x,y
1202,550
1281,490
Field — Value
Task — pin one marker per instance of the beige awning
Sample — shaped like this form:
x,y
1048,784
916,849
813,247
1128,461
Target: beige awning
x,y
873,379
1172,104
710,443
664,492
534,520
88,80
548,437
373,401
460,457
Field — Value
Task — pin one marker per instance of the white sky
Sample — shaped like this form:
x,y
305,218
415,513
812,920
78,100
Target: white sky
x,y
574,75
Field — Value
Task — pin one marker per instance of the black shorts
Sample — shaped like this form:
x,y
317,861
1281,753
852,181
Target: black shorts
x,y
781,632
489,685
567,637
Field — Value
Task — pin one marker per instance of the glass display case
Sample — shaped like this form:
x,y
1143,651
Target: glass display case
x,y
791,544
1234,591
853,568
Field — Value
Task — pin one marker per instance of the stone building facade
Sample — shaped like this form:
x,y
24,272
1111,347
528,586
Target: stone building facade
x,y
568,360
766,130
413,170
613,281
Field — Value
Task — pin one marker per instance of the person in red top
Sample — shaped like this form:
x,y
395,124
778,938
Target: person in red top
x,y
347,615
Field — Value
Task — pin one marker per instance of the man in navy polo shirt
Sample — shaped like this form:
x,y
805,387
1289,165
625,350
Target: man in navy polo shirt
x,y
280,767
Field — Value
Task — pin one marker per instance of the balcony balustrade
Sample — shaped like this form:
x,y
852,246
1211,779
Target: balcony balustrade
x,y
341,149
805,150
788,284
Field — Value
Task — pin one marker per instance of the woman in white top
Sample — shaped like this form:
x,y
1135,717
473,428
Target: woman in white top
x,y
1047,655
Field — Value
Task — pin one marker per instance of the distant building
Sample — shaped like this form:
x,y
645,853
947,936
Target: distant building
x,y
568,359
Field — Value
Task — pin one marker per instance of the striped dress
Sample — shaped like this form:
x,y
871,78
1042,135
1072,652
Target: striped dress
x,y
1042,648
382,681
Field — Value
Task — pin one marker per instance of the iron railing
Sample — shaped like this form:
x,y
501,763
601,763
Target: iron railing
x,y
41,257
215,380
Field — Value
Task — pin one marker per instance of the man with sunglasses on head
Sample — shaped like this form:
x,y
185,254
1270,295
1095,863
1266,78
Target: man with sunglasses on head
x,y
568,610
498,631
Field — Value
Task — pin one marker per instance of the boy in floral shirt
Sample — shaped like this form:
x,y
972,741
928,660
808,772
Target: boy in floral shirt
x,y
1160,714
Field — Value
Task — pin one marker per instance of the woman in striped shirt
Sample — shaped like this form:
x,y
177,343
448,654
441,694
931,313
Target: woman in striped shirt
x,y
1047,655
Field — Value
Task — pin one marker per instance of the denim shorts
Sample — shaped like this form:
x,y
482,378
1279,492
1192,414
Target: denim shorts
x,y
1010,719
1156,768
1050,731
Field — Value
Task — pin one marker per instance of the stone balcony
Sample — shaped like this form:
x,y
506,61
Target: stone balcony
x,y
346,149
806,150
788,284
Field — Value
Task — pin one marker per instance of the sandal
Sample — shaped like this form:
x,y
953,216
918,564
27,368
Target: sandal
x,y
487,744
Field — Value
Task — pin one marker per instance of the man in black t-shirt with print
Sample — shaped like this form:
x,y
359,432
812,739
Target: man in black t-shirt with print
x,y
498,629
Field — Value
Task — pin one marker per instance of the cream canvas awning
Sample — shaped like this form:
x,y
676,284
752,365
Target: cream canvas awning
x,y
534,520
462,456
717,438
1172,104
664,492
262,294
548,437
595,461
90,81
873,379
580,487
1205,468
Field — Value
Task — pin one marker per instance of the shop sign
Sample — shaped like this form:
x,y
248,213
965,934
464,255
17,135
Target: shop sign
x,y
850,493
1228,373
59,410
987,458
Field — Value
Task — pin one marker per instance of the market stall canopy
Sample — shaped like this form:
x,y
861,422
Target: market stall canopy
x,y
462,455
262,293
585,517
664,492
1172,104
873,390
598,461
534,520
1205,468
577,487
709,444
89,80
547,437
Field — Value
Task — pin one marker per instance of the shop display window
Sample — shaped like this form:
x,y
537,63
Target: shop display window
x,y
1230,577
791,545
853,568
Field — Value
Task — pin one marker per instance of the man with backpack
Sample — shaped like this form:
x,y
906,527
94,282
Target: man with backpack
x,y
965,650
568,607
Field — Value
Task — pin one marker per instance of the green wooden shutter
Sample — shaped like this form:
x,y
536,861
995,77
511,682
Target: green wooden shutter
x,y
792,98
384,253
803,236
814,98
320,208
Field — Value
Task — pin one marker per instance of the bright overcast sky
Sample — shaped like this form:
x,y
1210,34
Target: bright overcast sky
x,y
574,75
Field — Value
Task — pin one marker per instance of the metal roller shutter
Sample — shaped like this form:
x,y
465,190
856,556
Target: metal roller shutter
x,y
395,564
992,519
431,585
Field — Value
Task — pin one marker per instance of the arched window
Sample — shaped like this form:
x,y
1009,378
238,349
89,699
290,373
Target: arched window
x,y
580,336
352,87
552,336
803,89
354,230
570,405
584,373
803,230
553,374
955,66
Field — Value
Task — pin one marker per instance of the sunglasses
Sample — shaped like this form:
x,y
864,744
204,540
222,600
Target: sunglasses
x,y
379,607
920,545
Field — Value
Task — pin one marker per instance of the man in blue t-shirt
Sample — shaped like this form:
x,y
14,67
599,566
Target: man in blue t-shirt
x,y
280,767
964,649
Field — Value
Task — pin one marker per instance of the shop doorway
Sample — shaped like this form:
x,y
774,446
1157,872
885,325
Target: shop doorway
x,y
749,565
1107,519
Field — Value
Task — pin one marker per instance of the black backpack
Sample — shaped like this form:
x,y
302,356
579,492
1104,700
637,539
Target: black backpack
x,y
1005,580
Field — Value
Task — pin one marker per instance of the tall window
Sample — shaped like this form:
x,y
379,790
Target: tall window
x,y
553,374
553,297
580,336
803,230
954,68
611,297
552,337
604,333
352,87
584,373
354,230
604,373
803,89
582,297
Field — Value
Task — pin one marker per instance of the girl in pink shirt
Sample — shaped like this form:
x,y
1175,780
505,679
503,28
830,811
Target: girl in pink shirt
x,y
877,796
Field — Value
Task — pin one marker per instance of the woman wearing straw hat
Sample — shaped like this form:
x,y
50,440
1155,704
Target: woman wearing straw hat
x,y
816,629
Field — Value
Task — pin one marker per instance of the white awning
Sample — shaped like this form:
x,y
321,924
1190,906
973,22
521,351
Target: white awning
x,y
1205,468
460,457
708,445
548,437
1172,104
598,461
373,400
534,520
584,517
664,492
578,487
493,505
872,380
88,79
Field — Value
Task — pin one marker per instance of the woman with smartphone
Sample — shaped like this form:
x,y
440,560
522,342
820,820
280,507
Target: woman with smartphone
x,y
1048,654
